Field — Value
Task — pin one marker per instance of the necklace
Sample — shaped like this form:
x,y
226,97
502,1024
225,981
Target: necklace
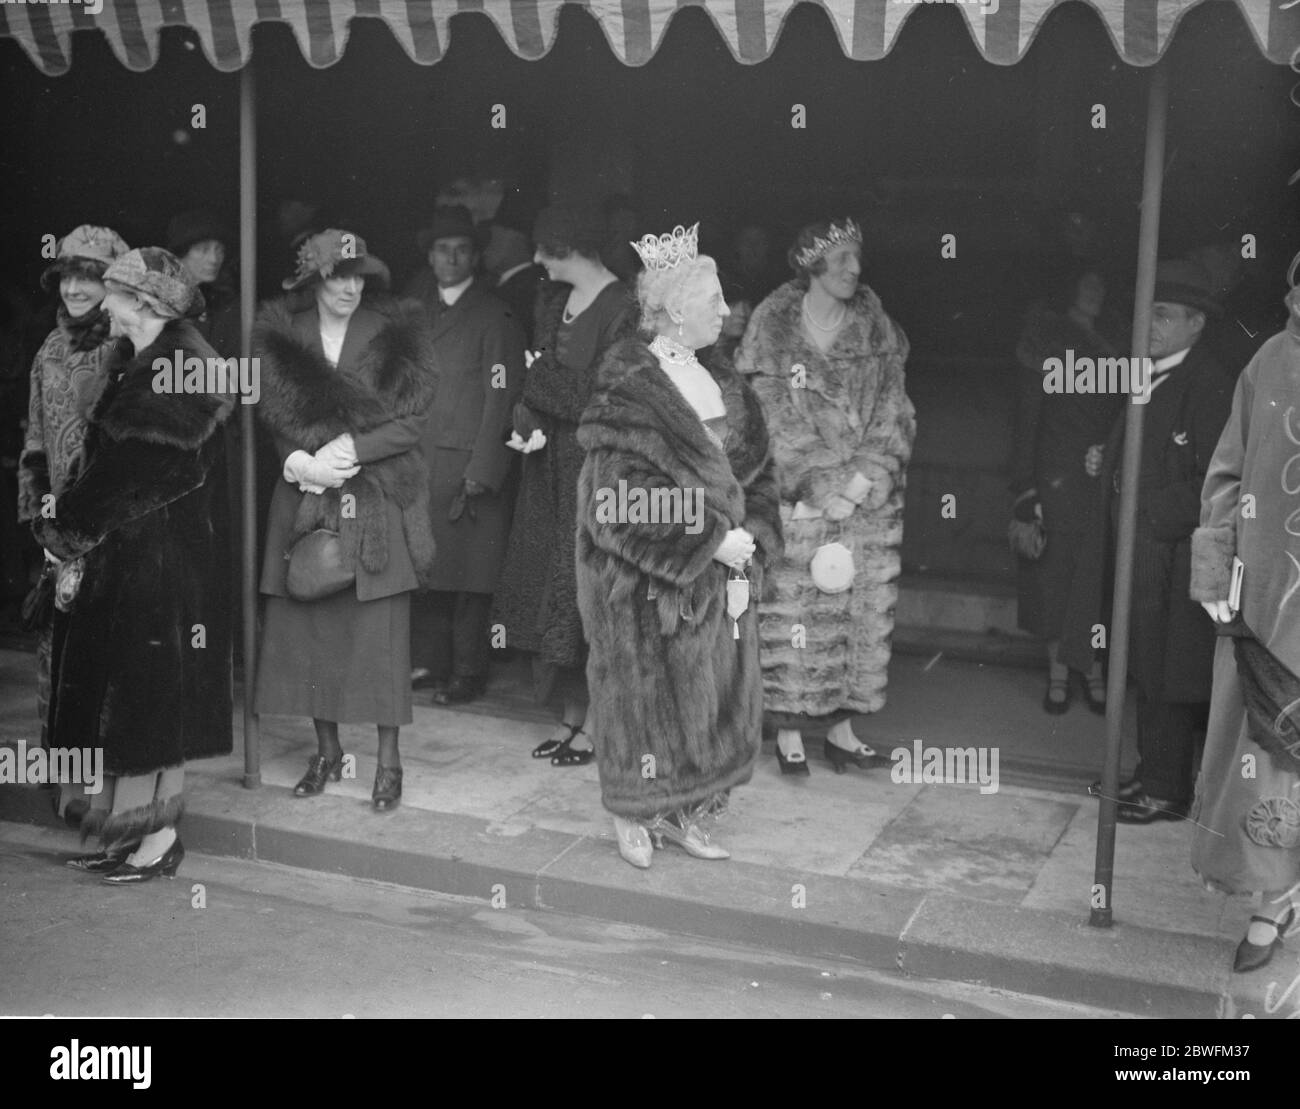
x,y
672,352
823,327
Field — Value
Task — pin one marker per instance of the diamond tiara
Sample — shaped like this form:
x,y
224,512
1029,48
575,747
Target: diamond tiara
x,y
667,251
836,236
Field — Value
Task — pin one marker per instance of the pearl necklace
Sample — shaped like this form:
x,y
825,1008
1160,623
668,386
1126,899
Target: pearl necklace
x,y
672,352
823,327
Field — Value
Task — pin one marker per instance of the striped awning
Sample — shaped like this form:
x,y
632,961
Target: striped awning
x,y
1001,29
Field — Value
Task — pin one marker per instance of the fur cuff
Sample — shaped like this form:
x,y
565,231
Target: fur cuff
x,y
134,824
1212,553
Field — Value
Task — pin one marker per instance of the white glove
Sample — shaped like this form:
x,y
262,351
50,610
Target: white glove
x,y
1219,611
530,356
53,559
341,453
1093,459
314,475
535,442
736,548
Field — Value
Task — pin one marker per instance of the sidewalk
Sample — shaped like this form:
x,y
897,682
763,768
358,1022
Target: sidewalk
x,y
937,881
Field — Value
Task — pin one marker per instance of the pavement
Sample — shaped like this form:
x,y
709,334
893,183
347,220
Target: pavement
x,y
923,879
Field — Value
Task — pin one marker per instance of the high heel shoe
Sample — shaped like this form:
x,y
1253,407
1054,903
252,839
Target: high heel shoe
x,y
792,766
102,862
633,842
319,768
567,756
840,758
387,793
1252,956
689,838
165,864
546,749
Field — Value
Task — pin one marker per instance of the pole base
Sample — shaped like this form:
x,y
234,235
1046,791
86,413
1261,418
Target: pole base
x,y
253,781
1100,918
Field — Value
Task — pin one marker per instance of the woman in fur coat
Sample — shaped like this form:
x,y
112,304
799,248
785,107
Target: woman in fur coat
x,y
1246,830
828,367
67,376
141,654
346,390
677,494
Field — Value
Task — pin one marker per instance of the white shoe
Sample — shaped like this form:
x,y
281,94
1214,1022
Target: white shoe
x,y
633,842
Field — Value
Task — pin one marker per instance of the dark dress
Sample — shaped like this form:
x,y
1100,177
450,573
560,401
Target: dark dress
x,y
1053,434
536,598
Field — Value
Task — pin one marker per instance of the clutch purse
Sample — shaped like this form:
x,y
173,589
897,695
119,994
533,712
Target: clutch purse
x,y
316,567
737,599
67,583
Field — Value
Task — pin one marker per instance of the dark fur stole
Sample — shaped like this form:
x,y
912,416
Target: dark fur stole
x,y
85,332
309,402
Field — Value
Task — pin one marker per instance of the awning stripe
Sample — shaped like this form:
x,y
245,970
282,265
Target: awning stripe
x,y
867,29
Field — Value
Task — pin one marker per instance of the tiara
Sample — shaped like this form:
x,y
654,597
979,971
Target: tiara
x,y
836,236
667,251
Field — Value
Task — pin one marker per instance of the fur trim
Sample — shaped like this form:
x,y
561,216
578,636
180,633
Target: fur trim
x,y
124,827
85,332
1212,553
307,401
135,411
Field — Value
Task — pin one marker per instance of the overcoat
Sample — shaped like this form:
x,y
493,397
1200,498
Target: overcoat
x,y
1171,639
141,664
479,352
847,413
1250,508
668,677
380,393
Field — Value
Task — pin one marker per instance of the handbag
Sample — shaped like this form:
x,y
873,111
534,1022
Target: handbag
x,y
38,605
316,567
1027,538
67,582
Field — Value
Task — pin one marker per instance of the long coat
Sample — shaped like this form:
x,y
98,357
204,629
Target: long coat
x,y
141,664
479,352
1250,505
667,676
536,599
848,414
380,394
1171,640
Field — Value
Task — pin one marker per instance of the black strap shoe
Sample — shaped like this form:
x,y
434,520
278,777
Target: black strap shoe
x,y
1145,809
102,862
387,794
319,769
1252,956
165,864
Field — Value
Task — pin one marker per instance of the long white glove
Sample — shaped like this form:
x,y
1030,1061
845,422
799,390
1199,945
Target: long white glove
x,y
313,475
736,548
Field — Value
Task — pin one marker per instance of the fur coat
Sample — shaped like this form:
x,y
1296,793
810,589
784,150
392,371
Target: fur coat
x,y
666,676
847,413
380,394
141,663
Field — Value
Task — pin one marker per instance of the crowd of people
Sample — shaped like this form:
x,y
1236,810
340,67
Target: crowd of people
x,y
445,461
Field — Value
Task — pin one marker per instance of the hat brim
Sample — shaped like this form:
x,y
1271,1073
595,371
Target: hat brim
x,y
197,305
366,267
425,237
75,265
1187,296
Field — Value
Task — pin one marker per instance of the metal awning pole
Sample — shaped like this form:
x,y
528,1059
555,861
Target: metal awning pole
x,y
247,307
1117,680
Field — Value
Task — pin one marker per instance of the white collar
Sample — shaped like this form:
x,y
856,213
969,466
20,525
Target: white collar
x,y
452,293
1169,361
508,274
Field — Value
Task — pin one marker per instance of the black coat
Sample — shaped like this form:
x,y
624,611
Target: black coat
x,y
141,665
1171,641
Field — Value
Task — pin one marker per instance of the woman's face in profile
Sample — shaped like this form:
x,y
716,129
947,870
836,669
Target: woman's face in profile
x,y
340,296
703,312
843,267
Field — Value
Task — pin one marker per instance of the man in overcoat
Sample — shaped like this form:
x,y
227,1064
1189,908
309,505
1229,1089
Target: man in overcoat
x,y
480,363
1171,643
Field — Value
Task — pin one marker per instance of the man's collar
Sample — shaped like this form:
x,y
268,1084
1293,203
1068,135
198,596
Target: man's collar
x,y
452,293
508,274
1169,361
